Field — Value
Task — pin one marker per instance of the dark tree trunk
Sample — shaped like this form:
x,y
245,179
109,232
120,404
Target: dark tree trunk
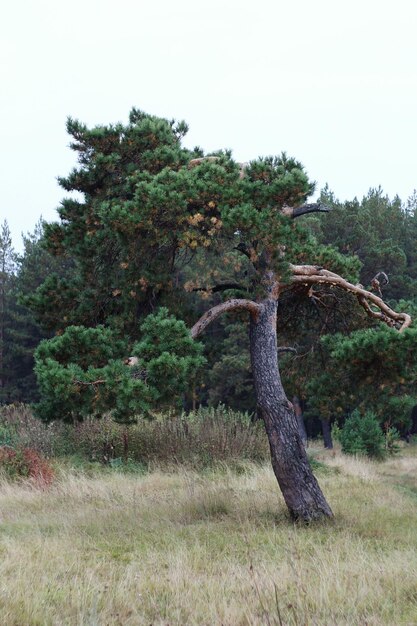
x,y
299,487
300,419
126,444
327,433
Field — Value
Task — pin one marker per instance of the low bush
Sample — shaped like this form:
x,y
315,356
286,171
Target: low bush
x,y
392,438
199,439
19,427
26,463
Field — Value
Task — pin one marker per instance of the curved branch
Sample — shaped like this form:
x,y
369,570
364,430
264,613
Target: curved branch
x,y
245,249
281,349
230,305
100,381
316,207
312,275
381,279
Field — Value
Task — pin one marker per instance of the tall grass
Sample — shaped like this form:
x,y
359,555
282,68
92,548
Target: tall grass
x,y
179,546
184,547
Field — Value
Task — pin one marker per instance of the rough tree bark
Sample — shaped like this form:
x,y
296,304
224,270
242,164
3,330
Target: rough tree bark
x,y
299,487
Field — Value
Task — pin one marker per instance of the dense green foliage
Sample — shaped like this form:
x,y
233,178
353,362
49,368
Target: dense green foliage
x,y
381,232
154,229
7,302
20,331
351,362
373,368
151,232
82,372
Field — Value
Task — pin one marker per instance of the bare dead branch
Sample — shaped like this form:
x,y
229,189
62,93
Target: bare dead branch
x,y
378,281
131,361
382,278
215,312
287,349
310,275
218,288
316,207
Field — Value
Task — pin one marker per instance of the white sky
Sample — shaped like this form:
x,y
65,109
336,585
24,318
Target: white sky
x,y
332,83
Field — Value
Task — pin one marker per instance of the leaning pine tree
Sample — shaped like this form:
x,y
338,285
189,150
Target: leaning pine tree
x,y
159,225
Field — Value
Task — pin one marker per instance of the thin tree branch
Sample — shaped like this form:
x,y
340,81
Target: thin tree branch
x,y
218,288
310,275
287,349
215,312
381,279
316,207
85,383
199,160
243,248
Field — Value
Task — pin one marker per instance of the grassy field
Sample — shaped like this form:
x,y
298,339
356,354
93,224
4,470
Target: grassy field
x,y
214,547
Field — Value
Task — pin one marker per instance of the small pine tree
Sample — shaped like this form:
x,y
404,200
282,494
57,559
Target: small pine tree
x,y
362,434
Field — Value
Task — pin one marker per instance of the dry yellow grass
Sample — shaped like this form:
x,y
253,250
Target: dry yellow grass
x,y
185,548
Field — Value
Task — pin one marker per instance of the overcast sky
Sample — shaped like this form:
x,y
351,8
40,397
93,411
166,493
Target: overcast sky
x,y
334,84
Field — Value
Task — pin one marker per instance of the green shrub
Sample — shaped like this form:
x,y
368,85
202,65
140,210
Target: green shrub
x,y
336,430
362,434
392,437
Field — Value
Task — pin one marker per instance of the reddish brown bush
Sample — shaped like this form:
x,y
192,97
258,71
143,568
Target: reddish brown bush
x,y
26,463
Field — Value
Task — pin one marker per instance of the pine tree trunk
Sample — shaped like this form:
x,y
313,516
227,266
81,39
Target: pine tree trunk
x,y
327,433
299,487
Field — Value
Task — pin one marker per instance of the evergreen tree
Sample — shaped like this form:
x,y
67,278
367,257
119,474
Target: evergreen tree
x,y
158,222
20,331
380,232
230,377
373,369
7,278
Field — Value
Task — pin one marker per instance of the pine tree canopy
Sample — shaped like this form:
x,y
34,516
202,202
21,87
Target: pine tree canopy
x,y
160,225
155,216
